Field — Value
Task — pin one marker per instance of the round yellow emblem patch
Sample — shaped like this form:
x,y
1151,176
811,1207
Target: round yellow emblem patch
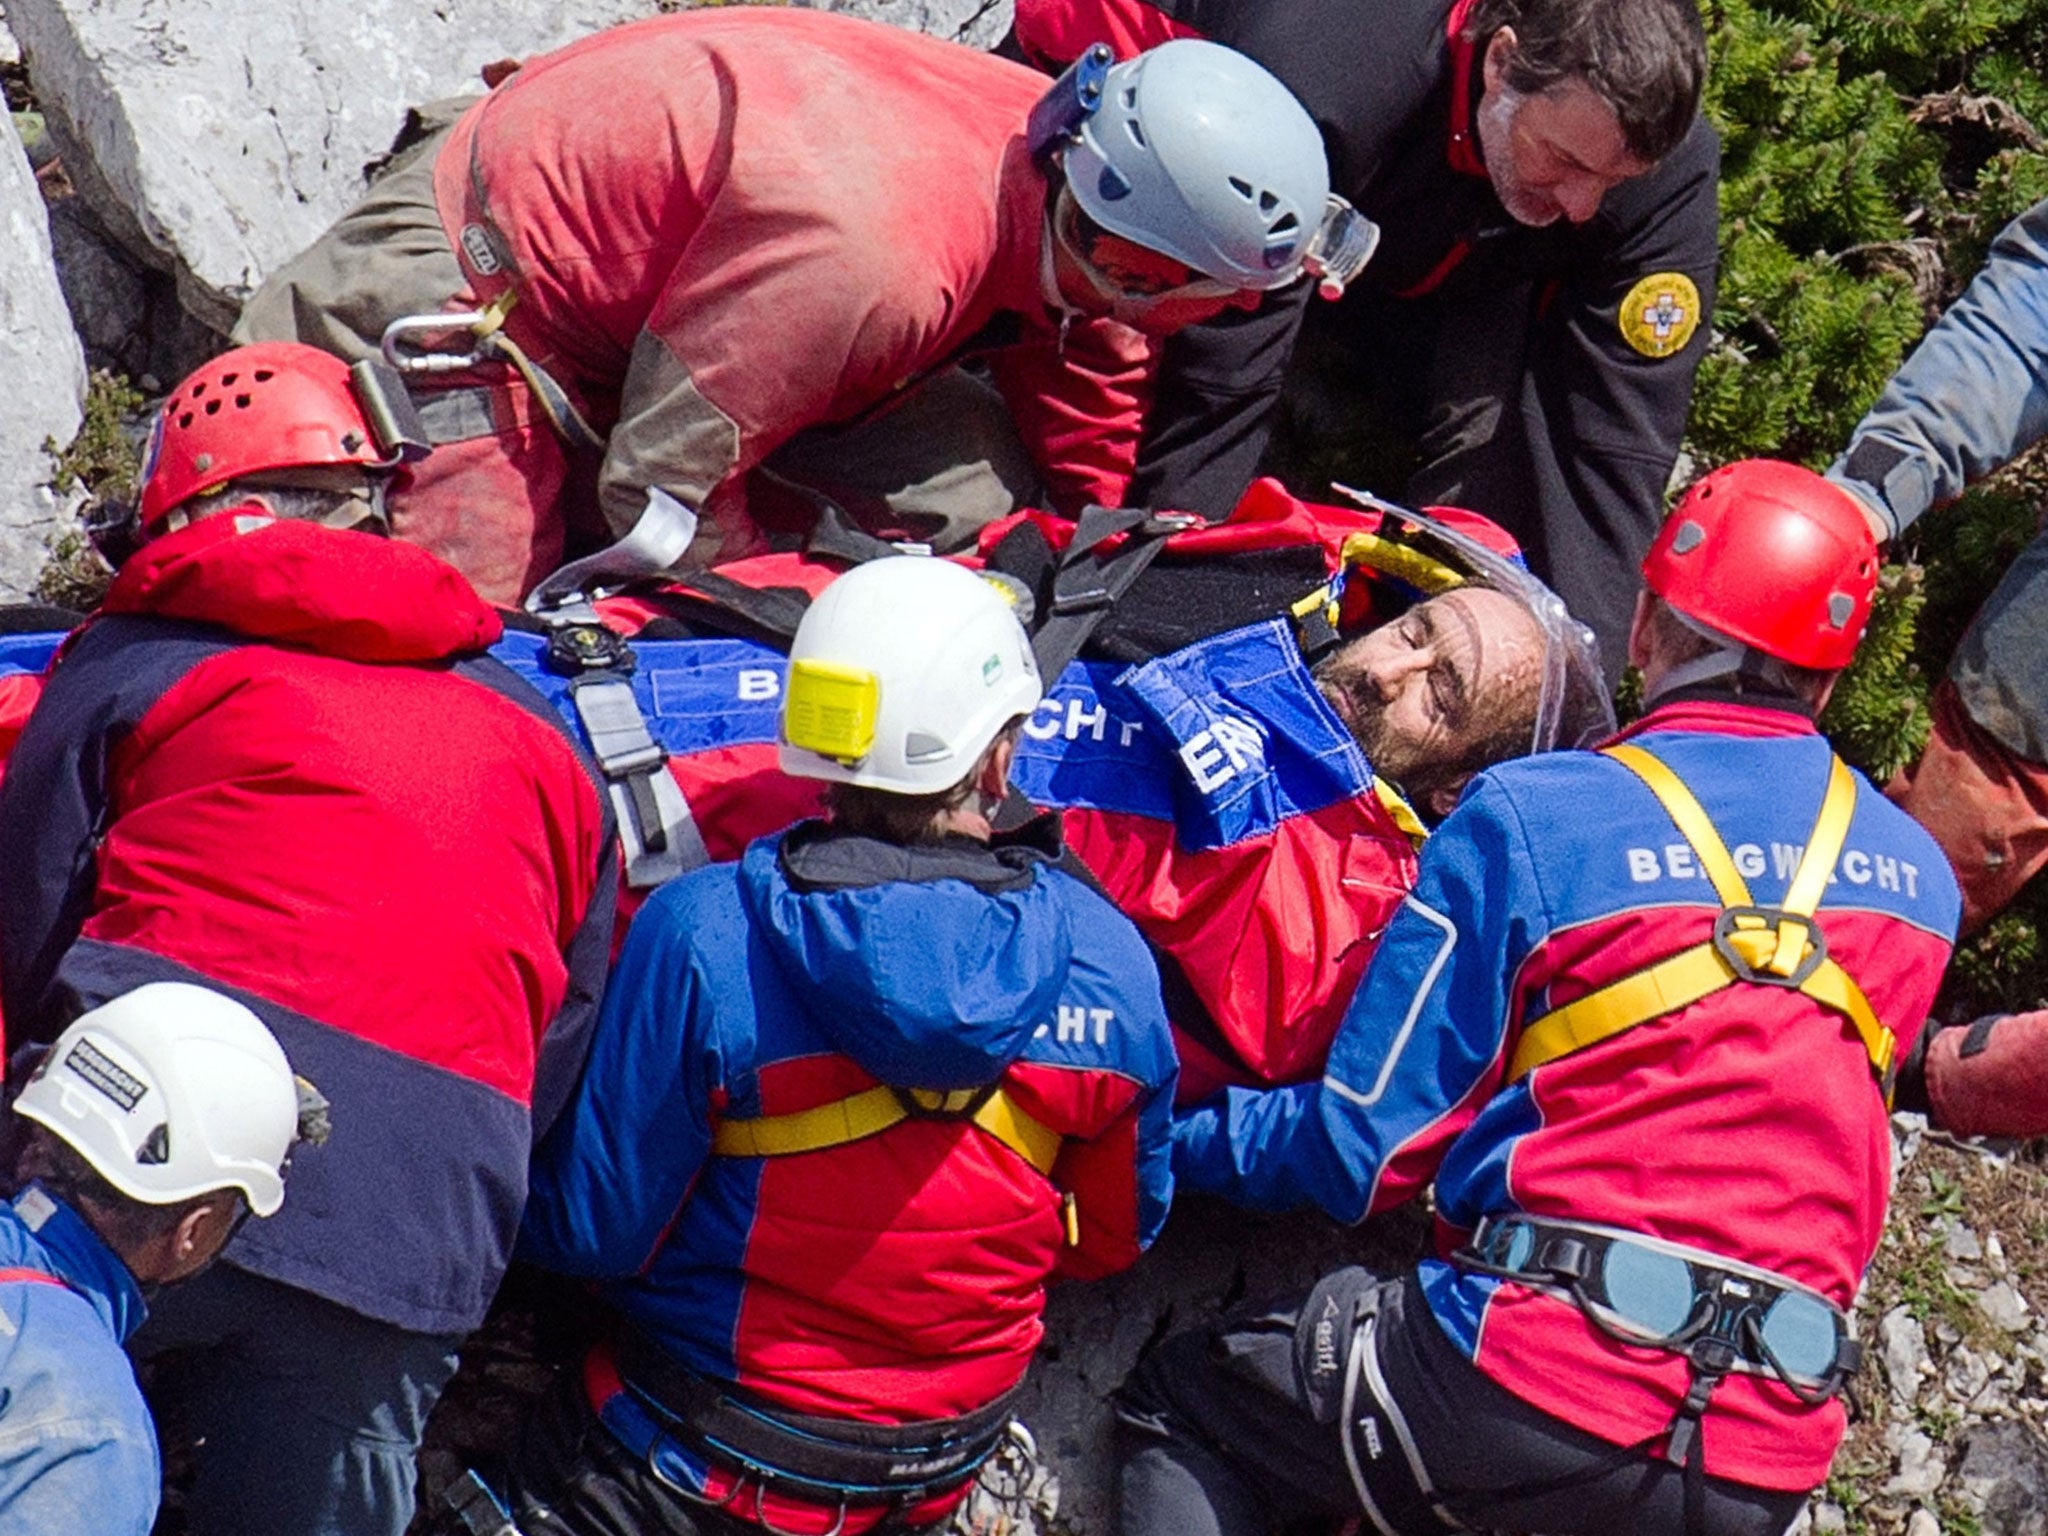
x,y
1660,314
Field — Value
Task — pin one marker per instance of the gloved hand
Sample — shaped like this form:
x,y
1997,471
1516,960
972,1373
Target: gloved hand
x,y
1985,1078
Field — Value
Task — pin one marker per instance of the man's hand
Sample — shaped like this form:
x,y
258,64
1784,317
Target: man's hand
x,y
1873,514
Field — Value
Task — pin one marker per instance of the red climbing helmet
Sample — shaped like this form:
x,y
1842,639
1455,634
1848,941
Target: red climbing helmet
x,y
276,405
1773,556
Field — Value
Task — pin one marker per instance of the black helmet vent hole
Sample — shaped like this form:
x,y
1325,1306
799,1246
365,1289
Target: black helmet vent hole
x,y
213,407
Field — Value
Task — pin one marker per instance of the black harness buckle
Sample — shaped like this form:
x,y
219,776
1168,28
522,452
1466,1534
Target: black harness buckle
x,y
577,650
1772,918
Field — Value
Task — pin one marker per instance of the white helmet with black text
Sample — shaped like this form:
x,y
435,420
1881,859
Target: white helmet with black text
x,y
170,1092
901,674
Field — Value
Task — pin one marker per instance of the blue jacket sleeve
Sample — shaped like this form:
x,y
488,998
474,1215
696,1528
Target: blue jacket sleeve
x,y
609,1178
78,1476
1973,393
77,1449
1418,1053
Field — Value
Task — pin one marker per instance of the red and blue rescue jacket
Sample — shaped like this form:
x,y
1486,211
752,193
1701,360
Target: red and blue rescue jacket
x,y
1746,1124
899,1276
281,762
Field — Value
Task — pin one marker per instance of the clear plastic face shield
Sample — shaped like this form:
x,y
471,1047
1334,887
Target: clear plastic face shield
x,y
1575,706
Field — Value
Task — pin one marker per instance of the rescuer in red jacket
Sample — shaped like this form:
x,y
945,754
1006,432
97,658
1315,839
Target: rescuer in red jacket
x,y
281,762
783,220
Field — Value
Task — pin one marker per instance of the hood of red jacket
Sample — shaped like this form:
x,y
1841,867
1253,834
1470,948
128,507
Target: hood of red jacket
x,y
328,590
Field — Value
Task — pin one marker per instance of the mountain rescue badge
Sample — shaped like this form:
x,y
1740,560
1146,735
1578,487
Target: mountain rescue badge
x,y
1660,314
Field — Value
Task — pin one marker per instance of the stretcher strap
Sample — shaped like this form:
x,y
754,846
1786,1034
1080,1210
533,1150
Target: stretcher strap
x,y
1767,951
657,830
875,1110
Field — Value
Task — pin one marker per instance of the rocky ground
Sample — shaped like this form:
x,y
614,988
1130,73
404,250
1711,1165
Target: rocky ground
x,y
1953,1406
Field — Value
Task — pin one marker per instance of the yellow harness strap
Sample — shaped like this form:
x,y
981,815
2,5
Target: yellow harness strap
x,y
1765,951
875,1110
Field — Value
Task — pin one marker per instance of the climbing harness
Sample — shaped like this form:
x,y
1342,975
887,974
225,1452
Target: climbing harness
x,y
1780,946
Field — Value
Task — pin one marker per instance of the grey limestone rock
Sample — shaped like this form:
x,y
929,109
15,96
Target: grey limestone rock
x,y
2003,1477
217,138
978,23
1904,1345
1921,1468
2005,1306
43,367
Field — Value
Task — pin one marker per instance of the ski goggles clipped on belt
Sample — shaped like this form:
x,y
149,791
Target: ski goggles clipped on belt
x,y
1722,1315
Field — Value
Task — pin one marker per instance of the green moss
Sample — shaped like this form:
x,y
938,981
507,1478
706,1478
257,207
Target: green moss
x,y
101,459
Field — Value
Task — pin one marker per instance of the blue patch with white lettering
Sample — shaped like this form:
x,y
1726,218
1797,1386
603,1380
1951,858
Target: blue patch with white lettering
x,y
1252,741
1224,738
1618,849
1088,744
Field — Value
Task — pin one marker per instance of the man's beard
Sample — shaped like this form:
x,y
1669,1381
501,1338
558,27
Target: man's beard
x,y
1496,132
1391,756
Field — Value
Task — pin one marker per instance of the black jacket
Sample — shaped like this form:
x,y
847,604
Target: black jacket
x,y
1396,94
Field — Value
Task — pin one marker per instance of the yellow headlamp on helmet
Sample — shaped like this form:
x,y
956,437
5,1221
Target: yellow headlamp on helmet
x,y
830,709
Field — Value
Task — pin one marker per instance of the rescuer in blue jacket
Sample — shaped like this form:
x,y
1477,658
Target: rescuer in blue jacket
x,y
850,1103
1637,1024
157,1122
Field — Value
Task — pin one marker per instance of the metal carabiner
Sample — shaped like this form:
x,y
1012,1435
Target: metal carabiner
x,y
471,321
761,1513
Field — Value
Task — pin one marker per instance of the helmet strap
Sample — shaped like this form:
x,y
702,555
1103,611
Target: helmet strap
x,y
1732,668
1056,302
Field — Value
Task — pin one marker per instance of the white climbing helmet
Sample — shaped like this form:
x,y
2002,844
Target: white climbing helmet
x,y
1199,153
171,1091
901,674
